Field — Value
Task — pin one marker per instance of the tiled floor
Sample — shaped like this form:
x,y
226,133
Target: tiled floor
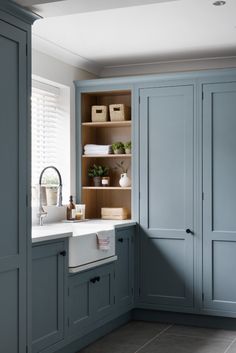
x,y
146,337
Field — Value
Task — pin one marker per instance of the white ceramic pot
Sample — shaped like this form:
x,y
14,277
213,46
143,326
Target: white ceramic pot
x,y
124,180
51,192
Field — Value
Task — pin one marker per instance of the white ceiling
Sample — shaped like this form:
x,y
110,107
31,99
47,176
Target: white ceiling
x,y
48,8
159,31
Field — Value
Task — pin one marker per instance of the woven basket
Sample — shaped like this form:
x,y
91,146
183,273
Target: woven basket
x,y
119,112
99,113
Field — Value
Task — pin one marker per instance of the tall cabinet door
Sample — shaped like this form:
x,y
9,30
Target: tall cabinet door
x,y
48,281
13,178
219,205
166,196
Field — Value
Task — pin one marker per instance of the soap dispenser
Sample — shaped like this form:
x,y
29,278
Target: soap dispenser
x,y
71,209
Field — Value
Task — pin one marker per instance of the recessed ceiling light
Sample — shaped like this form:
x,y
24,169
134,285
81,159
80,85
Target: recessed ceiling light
x,y
219,3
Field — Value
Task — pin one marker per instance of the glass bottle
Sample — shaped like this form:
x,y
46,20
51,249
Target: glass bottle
x,y
70,208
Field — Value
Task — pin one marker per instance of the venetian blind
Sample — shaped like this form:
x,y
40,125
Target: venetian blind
x,y
50,145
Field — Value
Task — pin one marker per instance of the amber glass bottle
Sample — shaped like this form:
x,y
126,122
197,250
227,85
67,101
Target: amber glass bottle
x,y
70,207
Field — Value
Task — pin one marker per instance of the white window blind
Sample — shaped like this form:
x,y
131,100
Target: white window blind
x,y
50,132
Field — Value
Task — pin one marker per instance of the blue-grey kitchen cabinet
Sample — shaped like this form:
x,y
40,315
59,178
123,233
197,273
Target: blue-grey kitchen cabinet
x,y
14,178
183,188
124,267
219,205
166,196
91,297
49,269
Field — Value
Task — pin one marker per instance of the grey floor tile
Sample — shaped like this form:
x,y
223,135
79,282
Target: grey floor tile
x,y
183,344
126,339
135,332
232,349
108,347
202,332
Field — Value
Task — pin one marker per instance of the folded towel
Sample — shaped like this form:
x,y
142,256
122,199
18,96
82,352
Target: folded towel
x,y
104,239
105,147
97,152
97,149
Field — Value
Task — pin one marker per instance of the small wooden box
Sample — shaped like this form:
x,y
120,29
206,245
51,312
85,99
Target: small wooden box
x,y
99,113
119,112
114,213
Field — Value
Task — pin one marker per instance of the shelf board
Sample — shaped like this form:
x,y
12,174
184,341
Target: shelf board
x,y
107,155
105,188
108,124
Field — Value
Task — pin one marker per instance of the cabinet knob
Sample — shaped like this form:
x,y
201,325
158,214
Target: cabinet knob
x,y
189,231
98,278
121,240
63,253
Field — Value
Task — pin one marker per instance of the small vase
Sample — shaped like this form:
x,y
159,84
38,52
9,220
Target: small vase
x,y
105,181
97,181
124,180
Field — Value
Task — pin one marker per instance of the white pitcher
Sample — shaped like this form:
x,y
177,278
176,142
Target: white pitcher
x,y
124,180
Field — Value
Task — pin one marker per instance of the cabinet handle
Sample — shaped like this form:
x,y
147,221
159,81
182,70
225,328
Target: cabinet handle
x,y
93,280
121,240
98,278
63,253
189,231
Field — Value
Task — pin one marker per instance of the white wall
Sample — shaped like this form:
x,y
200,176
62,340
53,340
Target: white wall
x,y
54,70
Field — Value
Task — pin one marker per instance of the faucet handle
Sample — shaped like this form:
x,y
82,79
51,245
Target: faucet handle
x,y
42,214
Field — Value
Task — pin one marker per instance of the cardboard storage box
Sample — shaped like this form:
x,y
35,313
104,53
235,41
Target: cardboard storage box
x,y
114,213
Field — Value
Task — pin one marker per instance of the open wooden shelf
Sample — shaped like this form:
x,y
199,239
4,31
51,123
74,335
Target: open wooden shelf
x,y
106,156
105,133
126,123
105,188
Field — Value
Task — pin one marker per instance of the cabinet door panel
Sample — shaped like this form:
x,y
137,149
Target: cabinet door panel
x,y
47,295
13,188
9,312
219,175
124,266
166,201
103,292
80,300
166,266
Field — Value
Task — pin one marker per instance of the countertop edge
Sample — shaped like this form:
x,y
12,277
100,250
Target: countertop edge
x,y
60,235
39,239
124,225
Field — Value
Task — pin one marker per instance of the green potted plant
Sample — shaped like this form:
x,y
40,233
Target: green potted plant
x,y
118,147
97,172
127,147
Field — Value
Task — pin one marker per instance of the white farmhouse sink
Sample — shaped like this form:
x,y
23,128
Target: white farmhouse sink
x,y
83,248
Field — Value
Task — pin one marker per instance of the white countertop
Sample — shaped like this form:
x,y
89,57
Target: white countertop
x,y
64,230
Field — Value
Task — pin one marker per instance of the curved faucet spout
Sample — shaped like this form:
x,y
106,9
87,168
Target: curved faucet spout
x,y
50,167
59,194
